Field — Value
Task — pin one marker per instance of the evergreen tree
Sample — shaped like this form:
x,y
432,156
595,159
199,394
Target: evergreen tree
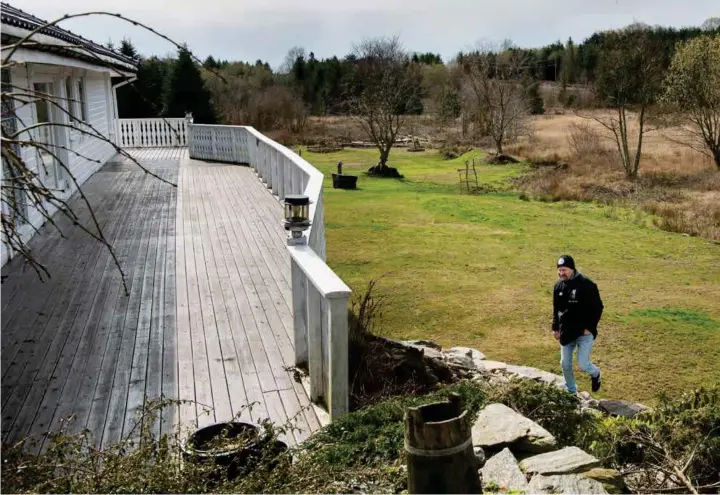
x,y
210,63
128,49
532,90
185,91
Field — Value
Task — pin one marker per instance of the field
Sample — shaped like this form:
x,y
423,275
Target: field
x,y
478,270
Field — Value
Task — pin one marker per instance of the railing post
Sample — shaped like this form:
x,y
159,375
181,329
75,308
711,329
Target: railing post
x,y
135,132
314,341
282,174
299,284
271,164
338,401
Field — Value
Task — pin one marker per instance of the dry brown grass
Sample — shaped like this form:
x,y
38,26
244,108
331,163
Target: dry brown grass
x,y
678,185
576,160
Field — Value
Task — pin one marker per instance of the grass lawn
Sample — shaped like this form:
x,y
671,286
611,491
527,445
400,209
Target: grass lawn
x,y
478,271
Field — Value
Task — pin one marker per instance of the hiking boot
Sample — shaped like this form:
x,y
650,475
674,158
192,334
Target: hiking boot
x,y
596,382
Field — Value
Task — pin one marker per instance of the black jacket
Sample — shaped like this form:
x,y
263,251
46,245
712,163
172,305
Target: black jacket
x,y
576,307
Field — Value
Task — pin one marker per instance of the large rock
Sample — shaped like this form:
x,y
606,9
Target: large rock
x,y
567,483
611,479
563,461
422,343
622,408
429,348
502,470
529,373
492,365
464,357
498,426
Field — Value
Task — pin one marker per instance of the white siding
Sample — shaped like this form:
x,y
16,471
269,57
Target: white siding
x,y
99,116
96,88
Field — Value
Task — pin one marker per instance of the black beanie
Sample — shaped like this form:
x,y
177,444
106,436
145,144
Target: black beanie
x,y
567,261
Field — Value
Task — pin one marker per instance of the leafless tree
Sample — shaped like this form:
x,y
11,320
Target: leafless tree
x,y
22,187
389,82
629,79
495,92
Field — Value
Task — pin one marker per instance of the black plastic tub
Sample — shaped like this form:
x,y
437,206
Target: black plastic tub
x,y
344,181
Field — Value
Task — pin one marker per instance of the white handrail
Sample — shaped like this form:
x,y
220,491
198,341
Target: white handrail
x,y
319,296
151,133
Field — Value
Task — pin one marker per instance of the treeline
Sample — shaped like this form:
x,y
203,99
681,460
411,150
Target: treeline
x,y
165,87
252,93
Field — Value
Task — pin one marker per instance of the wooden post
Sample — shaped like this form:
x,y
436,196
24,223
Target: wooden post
x,y
438,441
338,389
299,291
314,341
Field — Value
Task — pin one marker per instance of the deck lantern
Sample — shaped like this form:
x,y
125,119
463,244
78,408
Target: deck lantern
x,y
297,214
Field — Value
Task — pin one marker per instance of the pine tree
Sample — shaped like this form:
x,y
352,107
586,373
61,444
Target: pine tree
x,y
185,92
128,49
211,63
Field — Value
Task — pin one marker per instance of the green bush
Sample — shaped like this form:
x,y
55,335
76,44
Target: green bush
x,y
676,445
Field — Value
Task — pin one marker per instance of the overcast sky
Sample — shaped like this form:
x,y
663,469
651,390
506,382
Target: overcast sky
x,y
255,29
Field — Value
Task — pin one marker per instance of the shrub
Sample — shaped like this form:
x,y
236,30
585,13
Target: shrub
x,y
584,141
674,447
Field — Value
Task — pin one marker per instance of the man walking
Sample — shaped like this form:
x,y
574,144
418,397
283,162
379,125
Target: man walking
x,y
577,309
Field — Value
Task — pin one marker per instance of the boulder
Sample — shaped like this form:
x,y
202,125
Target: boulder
x,y
564,461
529,373
502,470
611,479
623,408
567,483
431,350
492,365
498,426
422,343
464,357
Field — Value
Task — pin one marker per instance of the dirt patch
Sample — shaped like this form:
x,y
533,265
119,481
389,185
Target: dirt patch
x,y
501,159
381,368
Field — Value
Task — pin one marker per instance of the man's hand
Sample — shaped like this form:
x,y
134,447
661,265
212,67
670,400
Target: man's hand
x,y
556,334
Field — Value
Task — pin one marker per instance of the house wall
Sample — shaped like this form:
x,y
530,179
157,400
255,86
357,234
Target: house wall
x,y
99,115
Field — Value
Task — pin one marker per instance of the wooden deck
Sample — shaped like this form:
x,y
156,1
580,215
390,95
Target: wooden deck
x,y
207,318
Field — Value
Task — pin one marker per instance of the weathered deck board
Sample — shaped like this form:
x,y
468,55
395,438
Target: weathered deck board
x,y
247,300
207,317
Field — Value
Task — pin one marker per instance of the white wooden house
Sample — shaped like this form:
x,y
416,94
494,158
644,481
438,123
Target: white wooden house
x,y
78,74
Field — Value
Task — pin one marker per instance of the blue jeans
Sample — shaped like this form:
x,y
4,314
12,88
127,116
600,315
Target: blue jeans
x,y
584,346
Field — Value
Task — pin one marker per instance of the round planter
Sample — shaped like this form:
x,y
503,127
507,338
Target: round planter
x,y
234,446
223,443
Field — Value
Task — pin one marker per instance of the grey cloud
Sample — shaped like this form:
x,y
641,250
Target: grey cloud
x,y
266,30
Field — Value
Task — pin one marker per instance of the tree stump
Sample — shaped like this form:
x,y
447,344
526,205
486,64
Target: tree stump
x,y
438,442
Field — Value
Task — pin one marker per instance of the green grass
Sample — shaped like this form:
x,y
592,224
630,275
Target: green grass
x,y
478,271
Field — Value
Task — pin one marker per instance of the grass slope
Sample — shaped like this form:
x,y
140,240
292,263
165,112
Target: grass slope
x,y
478,271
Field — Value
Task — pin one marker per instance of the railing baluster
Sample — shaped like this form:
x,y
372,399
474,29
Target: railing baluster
x,y
299,302
314,337
338,393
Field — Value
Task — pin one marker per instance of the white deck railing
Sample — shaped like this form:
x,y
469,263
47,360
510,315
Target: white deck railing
x,y
319,296
151,133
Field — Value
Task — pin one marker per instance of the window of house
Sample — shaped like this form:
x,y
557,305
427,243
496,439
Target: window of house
x,y
70,99
82,98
